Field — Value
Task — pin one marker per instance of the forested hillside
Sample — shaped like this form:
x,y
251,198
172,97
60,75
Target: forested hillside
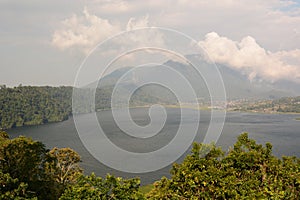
x,y
33,105
29,105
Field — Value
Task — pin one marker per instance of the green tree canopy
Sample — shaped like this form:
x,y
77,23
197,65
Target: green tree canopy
x,y
248,171
28,169
22,159
62,168
93,187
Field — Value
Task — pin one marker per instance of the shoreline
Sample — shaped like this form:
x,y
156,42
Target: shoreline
x,y
204,108
261,112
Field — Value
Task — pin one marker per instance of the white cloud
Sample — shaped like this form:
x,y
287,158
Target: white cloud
x,y
86,31
149,37
250,58
83,31
271,22
134,23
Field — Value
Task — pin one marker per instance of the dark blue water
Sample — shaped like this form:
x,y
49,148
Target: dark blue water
x,y
282,130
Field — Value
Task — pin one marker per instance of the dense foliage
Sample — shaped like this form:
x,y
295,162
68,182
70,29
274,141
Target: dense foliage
x,y
28,105
246,171
29,170
93,187
32,105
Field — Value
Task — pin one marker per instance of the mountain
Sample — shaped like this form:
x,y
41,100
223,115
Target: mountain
x,y
237,85
28,105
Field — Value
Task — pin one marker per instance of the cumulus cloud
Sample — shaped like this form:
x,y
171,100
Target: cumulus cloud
x,y
250,58
271,22
86,31
134,23
150,37
83,31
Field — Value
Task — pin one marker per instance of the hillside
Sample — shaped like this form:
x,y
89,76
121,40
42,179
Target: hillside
x,y
237,85
33,105
283,105
29,105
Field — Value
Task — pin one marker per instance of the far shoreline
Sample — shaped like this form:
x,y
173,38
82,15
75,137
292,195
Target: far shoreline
x,y
204,108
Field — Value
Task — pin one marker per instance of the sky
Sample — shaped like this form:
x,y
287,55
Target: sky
x,y
45,42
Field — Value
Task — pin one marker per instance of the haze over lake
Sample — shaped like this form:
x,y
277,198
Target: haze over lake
x,y
282,130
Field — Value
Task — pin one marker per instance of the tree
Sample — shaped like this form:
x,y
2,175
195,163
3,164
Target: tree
x,y
93,187
12,189
63,168
248,171
28,105
30,170
23,159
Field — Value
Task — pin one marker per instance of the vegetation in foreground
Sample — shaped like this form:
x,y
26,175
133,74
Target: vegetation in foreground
x,y
247,171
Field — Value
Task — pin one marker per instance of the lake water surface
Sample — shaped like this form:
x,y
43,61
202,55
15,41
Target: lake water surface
x,y
282,130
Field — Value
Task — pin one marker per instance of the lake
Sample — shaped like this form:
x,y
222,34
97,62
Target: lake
x,y
282,130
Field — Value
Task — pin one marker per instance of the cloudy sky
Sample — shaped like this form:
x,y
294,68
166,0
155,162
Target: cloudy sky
x,y
44,42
